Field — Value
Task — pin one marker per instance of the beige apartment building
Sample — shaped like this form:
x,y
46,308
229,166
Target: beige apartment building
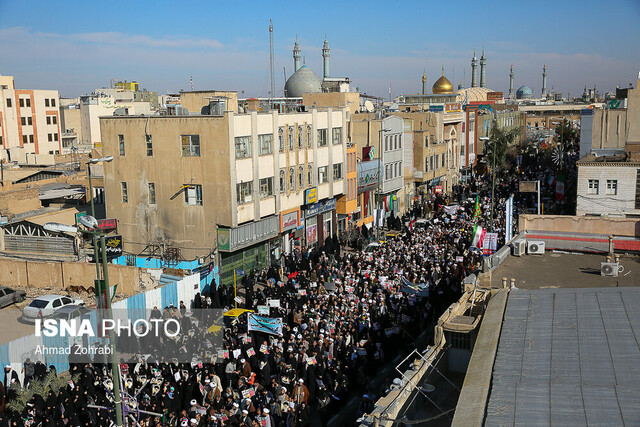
x,y
29,124
239,187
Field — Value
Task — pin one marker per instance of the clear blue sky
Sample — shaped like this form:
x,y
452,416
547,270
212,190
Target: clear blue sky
x,y
77,46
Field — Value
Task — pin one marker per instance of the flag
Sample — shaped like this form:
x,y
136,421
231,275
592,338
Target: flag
x,y
476,209
478,236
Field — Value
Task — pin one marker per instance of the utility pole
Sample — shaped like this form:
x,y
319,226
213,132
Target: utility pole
x,y
273,86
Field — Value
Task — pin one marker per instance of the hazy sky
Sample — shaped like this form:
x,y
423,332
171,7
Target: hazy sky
x,y
77,46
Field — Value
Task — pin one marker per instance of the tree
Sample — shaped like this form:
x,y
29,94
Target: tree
x,y
51,382
566,133
499,142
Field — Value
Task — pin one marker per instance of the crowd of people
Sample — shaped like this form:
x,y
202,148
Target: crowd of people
x,y
345,314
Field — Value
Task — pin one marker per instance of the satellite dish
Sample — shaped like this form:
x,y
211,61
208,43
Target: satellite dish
x,y
368,105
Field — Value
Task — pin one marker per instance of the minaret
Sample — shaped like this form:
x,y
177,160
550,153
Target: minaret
x,y
544,81
474,70
424,82
325,56
483,69
512,94
296,56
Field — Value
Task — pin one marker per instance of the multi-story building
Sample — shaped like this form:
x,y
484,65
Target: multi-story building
x,y
248,186
29,124
382,141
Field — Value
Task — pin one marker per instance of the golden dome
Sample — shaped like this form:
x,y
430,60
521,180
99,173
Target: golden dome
x,y
442,85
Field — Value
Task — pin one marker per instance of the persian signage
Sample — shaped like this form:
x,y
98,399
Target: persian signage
x,y
368,175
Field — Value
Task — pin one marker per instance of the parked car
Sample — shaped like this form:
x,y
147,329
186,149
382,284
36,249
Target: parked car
x,y
47,305
9,296
372,247
71,311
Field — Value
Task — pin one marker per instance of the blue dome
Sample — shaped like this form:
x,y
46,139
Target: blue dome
x,y
302,81
524,92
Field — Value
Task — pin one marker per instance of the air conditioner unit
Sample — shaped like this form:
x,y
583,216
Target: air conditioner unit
x,y
609,269
519,247
535,248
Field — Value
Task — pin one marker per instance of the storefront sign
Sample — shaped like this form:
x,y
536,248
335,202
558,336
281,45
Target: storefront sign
x,y
113,245
453,107
436,108
438,189
311,196
289,221
108,224
494,96
316,208
232,239
368,175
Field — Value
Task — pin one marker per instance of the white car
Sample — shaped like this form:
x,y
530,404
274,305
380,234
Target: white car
x,y
47,305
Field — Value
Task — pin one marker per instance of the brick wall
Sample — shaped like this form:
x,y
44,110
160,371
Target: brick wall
x,y
18,201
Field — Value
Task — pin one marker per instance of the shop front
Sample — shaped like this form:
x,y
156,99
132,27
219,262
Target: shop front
x,y
289,222
319,220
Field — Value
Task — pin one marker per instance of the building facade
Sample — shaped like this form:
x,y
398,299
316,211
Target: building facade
x,y
245,187
29,124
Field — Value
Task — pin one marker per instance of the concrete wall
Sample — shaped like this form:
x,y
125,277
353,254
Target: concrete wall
x,y
618,202
169,220
626,227
351,100
60,275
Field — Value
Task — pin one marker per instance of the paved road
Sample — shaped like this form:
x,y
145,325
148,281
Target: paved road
x,y
12,328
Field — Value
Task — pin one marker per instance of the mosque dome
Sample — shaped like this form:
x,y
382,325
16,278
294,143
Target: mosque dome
x,y
302,81
524,92
442,85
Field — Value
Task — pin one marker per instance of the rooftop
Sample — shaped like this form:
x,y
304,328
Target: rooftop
x,y
564,270
567,357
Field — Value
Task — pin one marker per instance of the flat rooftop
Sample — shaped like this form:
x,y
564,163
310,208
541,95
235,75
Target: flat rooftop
x,y
568,357
565,270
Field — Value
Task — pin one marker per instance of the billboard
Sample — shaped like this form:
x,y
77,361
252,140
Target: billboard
x,y
453,107
494,96
368,175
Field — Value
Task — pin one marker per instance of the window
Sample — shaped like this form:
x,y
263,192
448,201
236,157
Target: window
x,y
48,120
322,175
54,120
593,186
638,189
245,192
426,140
301,177
50,137
8,102
28,102
55,136
300,136
386,172
442,160
193,195
310,175
31,139
322,137
30,121
152,193
309,139
53,102
426,164
25,139
243,146
612,187
283,180
386,143
337,171
290,136
292,179
190,145
266,187
0,139
23,121
400,141
431,163
125,194
21,101
281,138
265,143
336,135
46,102
120,144
149,141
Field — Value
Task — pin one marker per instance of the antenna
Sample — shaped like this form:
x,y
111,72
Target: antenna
x,y
273,86
191,82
